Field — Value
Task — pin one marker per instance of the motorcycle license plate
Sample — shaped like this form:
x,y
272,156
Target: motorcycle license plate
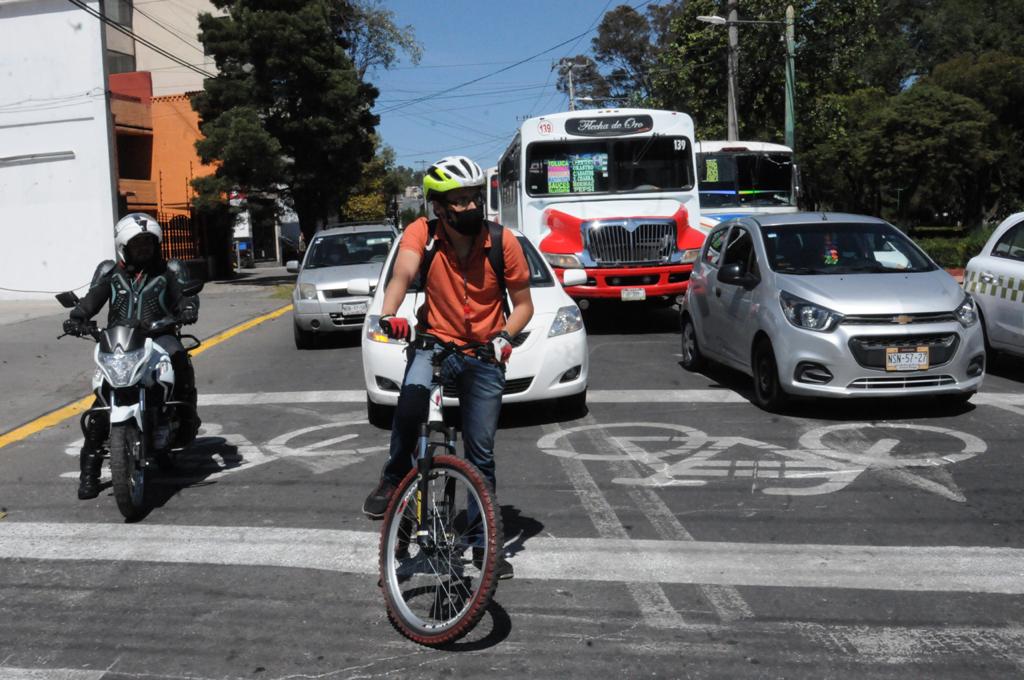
x,y
632,294
353,308
906,358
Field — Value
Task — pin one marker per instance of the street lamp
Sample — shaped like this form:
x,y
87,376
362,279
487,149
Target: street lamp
x,y
732,22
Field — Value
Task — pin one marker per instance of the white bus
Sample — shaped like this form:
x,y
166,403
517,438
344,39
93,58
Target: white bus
x,y
492,208
610,192
744,178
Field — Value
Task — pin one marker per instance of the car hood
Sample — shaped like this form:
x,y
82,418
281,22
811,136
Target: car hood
x,y
911,293
327,277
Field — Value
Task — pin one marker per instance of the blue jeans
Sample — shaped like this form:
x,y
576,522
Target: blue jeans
x,y
479,384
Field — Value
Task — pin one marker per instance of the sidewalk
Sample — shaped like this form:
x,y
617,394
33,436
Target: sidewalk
x,y
40,374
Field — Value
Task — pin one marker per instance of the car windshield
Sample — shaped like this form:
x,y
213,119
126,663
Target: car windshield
x,y
339,250
539,275
733,180
653,163
835,248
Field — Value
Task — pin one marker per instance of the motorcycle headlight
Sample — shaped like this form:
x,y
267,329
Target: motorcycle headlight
x,y
967,312
807,315
307,291
119,366
376,333
690,256
563,261
567,320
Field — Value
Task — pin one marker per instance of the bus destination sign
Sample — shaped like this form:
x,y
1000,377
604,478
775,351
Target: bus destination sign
x,y
609,126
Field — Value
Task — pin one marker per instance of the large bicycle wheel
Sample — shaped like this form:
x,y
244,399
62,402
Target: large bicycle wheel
x,y
127,470
438,586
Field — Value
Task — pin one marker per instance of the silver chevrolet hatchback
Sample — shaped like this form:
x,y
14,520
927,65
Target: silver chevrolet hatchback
x,y
830,304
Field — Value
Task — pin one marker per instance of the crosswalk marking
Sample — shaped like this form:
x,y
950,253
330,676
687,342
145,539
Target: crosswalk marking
x,y
593,397
893,568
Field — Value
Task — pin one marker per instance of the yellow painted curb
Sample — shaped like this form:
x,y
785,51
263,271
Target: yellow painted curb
x,y
74,408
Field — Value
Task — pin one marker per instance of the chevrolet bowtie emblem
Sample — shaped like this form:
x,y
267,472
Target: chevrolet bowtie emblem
x,y
902,319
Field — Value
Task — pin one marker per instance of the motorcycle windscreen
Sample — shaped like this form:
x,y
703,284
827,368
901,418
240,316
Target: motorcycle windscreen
x,y
128,338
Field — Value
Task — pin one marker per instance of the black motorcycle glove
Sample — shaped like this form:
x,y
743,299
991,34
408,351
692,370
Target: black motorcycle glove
x,y
72,326
189,314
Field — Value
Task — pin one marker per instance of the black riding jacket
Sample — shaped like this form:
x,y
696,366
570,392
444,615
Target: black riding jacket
x,y
144,295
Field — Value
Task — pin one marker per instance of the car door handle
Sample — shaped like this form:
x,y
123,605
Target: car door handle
x,y
987,278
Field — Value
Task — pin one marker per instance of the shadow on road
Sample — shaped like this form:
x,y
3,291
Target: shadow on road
x,y
630,318
841,409
496,633
193,467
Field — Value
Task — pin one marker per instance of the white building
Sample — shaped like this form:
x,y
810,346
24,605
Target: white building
x,y
57,189
172,25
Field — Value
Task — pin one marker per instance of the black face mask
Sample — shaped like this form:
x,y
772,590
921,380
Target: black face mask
x,y
468,222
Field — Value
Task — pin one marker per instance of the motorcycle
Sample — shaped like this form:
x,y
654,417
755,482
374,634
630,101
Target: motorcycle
x,y
134,384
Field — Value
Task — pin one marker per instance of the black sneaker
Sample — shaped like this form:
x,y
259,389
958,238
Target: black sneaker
x,y
376,504
503,569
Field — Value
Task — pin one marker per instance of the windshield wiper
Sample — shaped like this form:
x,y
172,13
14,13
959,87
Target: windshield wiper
x,y
800,270
637,157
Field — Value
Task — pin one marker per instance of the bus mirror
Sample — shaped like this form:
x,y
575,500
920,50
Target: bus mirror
x,y
798,185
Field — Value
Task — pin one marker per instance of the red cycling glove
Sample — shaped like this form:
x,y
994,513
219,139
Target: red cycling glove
x,y
502,344
395,327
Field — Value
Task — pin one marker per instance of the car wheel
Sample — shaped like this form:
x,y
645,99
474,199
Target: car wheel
x,y
574,406
303,339
693,359
379,415
768,393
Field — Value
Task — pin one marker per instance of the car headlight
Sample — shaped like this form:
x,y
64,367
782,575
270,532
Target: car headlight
x,y
690,256
376,333
563,261
307,291
967,312
567,320
119,366
807,315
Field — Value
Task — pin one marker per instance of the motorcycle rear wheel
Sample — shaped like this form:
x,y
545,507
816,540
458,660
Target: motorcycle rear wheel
x,y
127,470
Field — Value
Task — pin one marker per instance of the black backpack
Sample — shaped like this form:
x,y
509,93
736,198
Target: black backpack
x,y
495,255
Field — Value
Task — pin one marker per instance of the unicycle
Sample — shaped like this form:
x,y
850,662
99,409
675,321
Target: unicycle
x,y
442,534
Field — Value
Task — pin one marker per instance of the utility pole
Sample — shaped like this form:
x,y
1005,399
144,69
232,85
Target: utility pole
x,y
733,132
790,80
423,171
569,65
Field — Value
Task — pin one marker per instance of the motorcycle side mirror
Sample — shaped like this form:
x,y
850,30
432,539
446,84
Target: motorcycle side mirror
x,y
192,288
67,299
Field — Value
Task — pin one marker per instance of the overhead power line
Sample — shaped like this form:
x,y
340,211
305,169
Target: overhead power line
x,y
121,29
164,26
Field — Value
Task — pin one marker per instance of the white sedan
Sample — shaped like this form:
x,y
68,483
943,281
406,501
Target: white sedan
x,y
995,277
549,358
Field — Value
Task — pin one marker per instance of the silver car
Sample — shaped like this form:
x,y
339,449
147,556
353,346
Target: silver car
x,y
335,256
829,304
996,279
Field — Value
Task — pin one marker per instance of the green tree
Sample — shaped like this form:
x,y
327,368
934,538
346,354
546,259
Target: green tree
x,y
287,113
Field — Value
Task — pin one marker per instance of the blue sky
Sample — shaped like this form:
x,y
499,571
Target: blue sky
x,y
463,40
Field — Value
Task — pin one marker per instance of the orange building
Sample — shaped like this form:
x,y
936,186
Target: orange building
x,y
175,162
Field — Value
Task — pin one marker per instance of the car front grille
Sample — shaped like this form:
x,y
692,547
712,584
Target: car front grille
x,y
631,243
511,387
335,293
898,319
901,382
869,351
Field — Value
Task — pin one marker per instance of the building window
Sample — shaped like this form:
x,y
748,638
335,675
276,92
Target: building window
x,y
134,156
118,62
119,11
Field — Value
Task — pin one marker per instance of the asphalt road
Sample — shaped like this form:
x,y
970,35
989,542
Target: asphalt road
x,y
674,531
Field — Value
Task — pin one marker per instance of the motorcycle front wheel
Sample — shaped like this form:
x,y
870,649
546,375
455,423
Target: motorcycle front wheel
x,y
127,469
438,584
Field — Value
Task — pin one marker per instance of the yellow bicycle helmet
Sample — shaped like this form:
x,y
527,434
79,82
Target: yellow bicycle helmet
x,y
451,172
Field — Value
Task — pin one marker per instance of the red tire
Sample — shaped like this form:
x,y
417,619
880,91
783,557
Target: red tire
x,y
434,595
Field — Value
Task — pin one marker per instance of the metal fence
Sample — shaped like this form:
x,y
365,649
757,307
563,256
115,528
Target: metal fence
x,y
181,237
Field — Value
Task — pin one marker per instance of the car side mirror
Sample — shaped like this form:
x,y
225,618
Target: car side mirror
x,y
292,266
735,275
359,287
67,299
574,277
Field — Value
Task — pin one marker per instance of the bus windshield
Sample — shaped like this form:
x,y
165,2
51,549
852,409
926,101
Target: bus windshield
x,y
734,180
637,164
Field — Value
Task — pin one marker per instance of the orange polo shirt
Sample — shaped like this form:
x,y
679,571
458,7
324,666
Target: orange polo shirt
x,y
464,304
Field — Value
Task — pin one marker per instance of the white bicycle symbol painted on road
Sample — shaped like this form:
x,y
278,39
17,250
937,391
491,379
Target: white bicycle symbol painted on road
x,y
826,459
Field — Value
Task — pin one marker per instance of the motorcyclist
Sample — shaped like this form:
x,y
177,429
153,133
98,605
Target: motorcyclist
x,y
141,288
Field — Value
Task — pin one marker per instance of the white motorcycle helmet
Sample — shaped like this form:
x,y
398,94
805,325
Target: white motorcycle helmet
x,y
132,225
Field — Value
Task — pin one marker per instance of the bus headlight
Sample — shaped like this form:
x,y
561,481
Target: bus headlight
x,y
563,261
690,256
